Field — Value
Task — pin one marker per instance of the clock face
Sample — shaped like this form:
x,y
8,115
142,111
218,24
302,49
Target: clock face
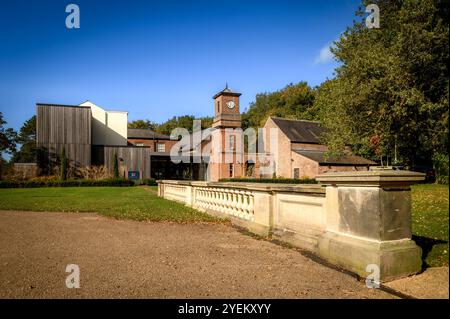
x,y
230,104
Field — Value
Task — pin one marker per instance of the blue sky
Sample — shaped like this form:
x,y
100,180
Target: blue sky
x,y
157,59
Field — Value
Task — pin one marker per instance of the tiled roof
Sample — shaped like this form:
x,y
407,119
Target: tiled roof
x,y
319,156
146,134
300,131
227,91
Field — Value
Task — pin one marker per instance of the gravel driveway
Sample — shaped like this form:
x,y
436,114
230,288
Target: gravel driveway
x,y
129,259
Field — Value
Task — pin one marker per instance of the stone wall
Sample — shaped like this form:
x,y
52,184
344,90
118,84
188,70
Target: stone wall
x,y
26,170
354,219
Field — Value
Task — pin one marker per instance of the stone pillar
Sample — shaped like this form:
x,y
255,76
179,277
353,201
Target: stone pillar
x,y
263,219
189,195
368,217
160,188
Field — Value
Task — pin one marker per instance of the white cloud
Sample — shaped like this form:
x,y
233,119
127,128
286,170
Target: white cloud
x,y
324,55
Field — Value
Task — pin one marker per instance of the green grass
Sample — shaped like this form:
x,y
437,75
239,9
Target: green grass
x,y
135,203
430,222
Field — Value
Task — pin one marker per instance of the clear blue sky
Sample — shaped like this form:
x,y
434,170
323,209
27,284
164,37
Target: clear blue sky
x,y
157,59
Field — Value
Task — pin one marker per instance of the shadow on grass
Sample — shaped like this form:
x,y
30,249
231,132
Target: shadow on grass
x,y
427,245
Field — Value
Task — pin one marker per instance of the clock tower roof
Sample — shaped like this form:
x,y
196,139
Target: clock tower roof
x,y
227,91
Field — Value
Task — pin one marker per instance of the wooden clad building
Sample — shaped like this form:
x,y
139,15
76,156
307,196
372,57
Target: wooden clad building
x,y
67,126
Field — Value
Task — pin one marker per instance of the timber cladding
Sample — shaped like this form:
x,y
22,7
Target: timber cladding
x,y
130,158
67,126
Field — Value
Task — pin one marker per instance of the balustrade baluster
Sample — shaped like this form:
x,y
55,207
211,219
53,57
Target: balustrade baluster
x,y
239,204
244,204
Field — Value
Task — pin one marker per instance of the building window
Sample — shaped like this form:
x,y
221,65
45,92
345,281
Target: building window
x,y
218,106
296,173
231,170
139,144
160,147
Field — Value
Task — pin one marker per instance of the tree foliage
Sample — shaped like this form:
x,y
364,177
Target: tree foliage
x,y
7,143
27,139
7,138
293,101
184,121
391,88
143,124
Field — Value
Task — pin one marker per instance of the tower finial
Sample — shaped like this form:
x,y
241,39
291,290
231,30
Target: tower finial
x,y
226,85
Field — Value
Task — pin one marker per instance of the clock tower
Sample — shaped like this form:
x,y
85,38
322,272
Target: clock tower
x,y
226,106
226,137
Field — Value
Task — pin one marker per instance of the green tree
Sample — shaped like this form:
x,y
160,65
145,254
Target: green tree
x,y
184,121
294,101
116,166
64,164
391,88
27,139
7,143
143,124
7,138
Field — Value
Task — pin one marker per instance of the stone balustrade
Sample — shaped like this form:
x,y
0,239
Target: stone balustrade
x,y
353,219
233,202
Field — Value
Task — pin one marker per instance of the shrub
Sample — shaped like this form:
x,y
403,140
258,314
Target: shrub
x,y
45,178
304,180
440,163
94,172
67,183
149,182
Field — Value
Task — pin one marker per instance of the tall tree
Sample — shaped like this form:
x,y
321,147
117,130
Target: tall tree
x,y
184,121
27,139
7,142
7,138
142,124
391,88
293,101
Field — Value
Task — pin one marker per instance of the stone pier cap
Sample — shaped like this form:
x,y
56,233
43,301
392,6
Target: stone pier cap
x,y
264,187
371,178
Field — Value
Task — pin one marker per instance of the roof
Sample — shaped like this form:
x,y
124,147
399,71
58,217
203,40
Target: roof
x,y
88,103
146,134
61,105
319,156
300,131
227,91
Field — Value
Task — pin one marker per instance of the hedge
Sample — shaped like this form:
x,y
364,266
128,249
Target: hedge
x,y
149,182
67,183
271,180
146,181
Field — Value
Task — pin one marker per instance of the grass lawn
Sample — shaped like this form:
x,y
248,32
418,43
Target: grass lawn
x,y
135,203
430,222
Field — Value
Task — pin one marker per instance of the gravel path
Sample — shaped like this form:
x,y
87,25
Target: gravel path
x,y
128,259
